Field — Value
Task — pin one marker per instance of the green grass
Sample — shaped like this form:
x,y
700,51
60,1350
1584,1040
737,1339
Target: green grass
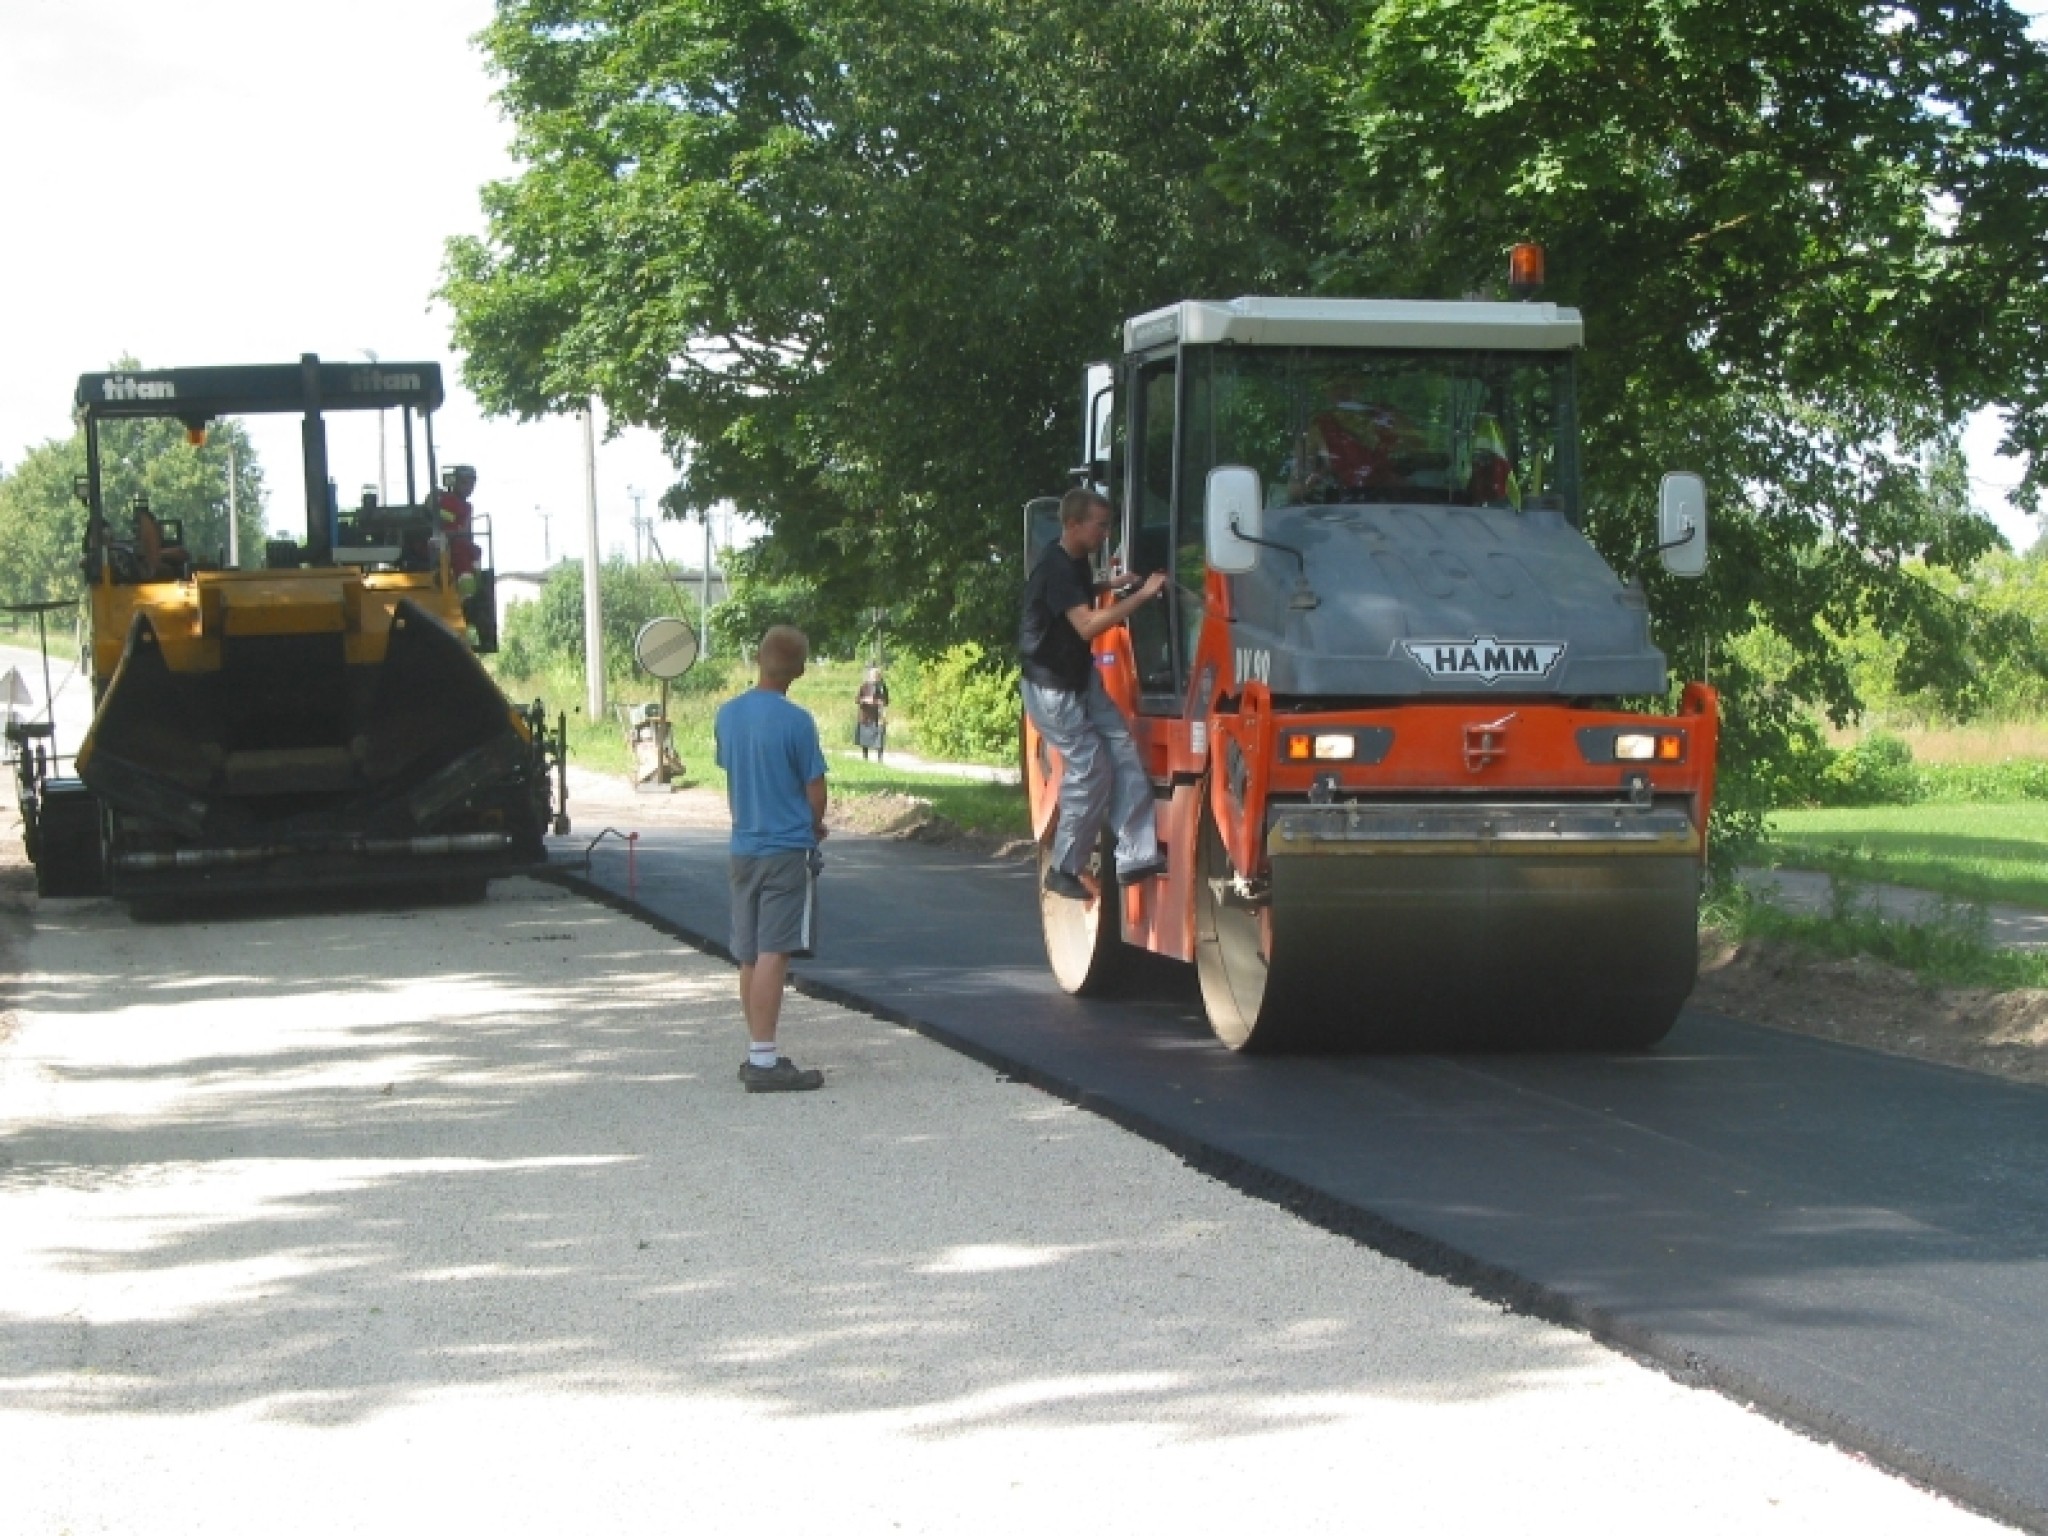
x,y
827,690
1981,853
1954,947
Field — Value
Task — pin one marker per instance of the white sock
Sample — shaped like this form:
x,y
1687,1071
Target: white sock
x,y
761,1053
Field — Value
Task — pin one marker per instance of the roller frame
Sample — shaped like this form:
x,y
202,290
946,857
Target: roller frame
x,y
1554,907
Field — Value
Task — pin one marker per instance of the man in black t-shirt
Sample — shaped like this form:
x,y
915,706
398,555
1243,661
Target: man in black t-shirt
x,y
1066,701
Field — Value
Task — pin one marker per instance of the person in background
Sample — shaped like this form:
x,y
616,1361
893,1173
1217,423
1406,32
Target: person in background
x,y
775,783
871,724
452,514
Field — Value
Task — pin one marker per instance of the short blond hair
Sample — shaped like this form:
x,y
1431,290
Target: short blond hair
x,y
1079,502
782,654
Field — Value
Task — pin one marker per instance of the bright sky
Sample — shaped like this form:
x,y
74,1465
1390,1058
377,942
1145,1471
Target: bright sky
x,y
238,181
241,181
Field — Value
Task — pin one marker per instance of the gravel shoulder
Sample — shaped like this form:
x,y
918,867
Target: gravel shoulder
x,y
456,1219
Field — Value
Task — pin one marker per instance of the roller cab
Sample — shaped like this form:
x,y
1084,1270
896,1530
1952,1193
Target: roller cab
x,y
306,716
1421,775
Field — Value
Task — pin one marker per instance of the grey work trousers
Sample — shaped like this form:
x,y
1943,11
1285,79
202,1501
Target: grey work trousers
x,y
1102,776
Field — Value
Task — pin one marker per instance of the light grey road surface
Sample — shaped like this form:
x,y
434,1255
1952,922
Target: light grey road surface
x,y
58,677
1806,890
457,1220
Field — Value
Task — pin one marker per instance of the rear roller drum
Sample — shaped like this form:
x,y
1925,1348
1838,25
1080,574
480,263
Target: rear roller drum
x,y
1083,939
1233,945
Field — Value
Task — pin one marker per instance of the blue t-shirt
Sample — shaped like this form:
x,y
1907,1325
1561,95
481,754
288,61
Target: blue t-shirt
x,y
769,750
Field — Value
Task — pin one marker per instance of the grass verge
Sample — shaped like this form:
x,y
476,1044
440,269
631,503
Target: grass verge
x,y
1953,947
996,810
1981,853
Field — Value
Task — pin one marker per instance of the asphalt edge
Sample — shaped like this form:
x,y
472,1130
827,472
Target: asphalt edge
x,y
1491,1283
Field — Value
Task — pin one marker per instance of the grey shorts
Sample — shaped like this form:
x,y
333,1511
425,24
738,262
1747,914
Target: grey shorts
x,y
775,904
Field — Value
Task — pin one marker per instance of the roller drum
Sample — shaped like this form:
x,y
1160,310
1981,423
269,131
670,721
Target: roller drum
x,y
1454,940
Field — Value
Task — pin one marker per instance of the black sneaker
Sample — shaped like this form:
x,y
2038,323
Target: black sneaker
x,y
1154,870
784,1077
1059,883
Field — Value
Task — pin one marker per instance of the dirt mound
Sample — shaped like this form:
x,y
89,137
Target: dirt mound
x,y
1866,1002
887,814
890,814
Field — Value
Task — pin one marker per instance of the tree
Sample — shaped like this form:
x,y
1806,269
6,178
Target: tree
x,y
849,257
846,256
547,633
832,622
42,521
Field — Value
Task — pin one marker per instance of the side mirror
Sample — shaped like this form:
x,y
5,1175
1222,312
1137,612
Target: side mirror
x,y
1041,527
1233,515
81,487
1098,416
1682,524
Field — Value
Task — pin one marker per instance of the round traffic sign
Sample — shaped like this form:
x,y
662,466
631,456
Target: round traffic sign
x,y
667,648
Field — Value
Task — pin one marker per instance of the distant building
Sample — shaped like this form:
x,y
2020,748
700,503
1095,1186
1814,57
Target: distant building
x,y
515,587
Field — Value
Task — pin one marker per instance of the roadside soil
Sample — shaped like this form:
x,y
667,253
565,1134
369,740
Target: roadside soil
x,y
1857,1002
1865,1002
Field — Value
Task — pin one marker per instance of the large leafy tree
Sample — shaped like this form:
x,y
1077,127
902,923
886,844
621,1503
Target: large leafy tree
x,y
1809,239
846,254
42,521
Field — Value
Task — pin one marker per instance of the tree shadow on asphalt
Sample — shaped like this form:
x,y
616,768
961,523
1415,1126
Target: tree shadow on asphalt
x,y
392,1175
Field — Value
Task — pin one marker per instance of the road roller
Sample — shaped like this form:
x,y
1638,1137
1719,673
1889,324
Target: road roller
x,y
1421,778
305,716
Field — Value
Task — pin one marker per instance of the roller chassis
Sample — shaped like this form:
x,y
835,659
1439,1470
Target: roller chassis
x,y
1408,908
1482,869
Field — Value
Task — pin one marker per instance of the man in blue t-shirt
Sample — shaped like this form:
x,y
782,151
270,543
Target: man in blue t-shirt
x,y
775,782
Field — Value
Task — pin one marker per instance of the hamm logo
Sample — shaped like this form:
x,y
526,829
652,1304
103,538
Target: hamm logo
x,y
1485,658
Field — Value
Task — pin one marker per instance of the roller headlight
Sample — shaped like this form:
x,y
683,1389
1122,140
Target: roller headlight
x,y
1608,744
1321,747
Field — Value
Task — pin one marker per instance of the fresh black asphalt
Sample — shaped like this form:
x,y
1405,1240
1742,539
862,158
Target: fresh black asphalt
x,y
1854,1242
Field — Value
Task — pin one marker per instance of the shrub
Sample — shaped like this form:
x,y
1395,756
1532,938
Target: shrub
x,y
964,705
1878,770
1986,783
1799,774
547,633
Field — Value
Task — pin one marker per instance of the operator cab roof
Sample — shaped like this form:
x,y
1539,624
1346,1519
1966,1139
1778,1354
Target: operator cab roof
x,y
307,386
1390,324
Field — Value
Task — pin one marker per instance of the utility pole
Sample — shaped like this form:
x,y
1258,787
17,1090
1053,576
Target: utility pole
x,y
547,550
593,617
704,601
383,497
639,526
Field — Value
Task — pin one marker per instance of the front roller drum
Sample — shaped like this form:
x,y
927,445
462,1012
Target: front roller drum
x,y
1359,951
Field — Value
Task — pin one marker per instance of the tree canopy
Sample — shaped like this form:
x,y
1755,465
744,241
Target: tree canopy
x,y
849,257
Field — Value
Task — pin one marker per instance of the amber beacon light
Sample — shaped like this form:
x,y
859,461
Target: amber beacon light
x,y
1525,269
